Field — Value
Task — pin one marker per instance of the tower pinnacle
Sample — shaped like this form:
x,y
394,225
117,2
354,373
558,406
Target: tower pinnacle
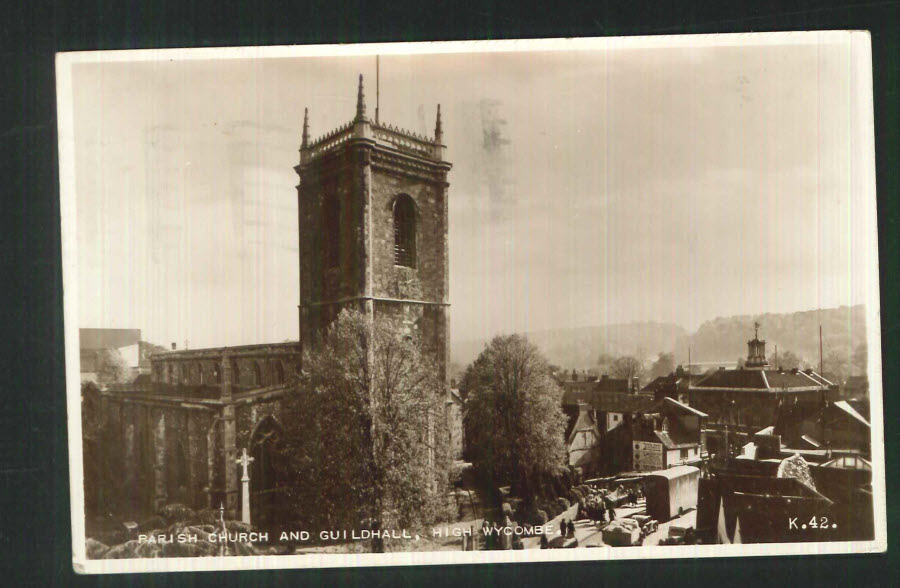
x,y
305,142
438,129
360,101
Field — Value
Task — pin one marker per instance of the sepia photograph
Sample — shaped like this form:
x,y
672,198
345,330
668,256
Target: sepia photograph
x,y
468,302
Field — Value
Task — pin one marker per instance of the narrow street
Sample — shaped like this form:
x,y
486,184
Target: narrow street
x,y
589,534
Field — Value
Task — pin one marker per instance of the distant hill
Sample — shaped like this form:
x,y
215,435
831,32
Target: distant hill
x,y
580,347
723,339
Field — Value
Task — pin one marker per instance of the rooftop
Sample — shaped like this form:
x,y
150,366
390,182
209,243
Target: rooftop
x,y
763,380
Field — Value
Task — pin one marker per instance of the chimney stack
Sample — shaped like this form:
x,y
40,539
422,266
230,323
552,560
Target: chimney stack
x,y
173,346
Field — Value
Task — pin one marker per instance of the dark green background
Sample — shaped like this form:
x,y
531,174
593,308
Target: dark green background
x,y
35,542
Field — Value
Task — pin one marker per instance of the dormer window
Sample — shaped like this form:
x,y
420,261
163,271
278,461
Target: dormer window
x,y
404,231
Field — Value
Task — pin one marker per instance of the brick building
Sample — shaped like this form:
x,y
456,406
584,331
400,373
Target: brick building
x,y
373,205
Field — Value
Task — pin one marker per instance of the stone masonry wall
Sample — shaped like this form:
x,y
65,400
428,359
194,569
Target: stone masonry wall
x,y
427,280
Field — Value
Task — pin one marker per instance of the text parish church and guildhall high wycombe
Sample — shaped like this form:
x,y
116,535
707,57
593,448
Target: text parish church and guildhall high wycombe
x,y
373,225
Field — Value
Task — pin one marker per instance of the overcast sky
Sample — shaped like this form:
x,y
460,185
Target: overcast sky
x,y
589,187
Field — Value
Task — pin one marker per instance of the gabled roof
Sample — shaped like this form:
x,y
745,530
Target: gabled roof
x,y
680,406
845,406
583,422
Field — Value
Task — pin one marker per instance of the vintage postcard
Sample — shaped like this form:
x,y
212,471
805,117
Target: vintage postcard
x,y
408,304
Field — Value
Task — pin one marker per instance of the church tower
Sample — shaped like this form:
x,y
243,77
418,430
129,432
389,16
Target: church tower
x,y
373,228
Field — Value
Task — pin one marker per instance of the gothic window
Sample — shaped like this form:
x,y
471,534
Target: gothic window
x,y
404,231
257,374
332,228
177,474
217,375
236,370
171,378
278,372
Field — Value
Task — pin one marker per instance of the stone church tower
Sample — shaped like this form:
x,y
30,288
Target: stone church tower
x,y
373,236
373,228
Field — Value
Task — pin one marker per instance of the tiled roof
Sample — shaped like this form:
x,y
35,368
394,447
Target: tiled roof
x,y
761,380
622,402
666,382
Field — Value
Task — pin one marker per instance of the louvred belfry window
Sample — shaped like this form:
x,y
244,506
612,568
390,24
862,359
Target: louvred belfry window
x,y
404,231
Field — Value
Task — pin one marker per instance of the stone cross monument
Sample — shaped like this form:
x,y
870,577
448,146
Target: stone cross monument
x,y
245,461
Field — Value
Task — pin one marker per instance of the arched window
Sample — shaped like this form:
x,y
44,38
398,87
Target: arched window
x,y
236,372
404,231
332,229
277,372
265,449
257,374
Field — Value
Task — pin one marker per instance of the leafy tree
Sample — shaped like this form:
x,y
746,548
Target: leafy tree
x,y
836,366
513,416
663,366
111,367
628,368
365,430
860,358
605,362
788,360
102,457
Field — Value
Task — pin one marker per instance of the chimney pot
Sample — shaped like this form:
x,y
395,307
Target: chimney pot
x,y
173,346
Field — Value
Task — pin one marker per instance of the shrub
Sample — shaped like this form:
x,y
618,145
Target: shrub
x,y
575,495
539,518
551,508
525,511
